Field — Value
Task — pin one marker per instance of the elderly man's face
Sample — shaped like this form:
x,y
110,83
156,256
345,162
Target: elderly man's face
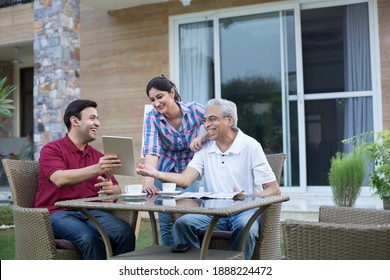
x,y
216,125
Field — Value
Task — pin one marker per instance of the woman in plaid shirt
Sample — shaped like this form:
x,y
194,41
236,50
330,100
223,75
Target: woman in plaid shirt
x,y
171,138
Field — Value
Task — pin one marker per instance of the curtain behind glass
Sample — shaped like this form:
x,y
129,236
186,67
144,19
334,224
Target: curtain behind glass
x,y
196,61
358,111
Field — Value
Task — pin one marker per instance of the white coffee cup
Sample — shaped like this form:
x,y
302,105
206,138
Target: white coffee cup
x,y
169,187
133,189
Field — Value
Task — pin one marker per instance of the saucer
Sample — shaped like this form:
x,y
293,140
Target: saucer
x,y
134,203
134,195
162,193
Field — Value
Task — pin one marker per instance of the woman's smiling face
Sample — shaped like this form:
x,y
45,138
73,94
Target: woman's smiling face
x,y
161,100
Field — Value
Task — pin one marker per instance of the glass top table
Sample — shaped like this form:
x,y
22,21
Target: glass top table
x,y
215,207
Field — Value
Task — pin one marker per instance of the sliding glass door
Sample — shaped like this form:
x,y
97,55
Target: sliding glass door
x,y
255,71
337,82
301,77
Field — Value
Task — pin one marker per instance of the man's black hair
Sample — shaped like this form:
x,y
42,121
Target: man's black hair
x,y
74,110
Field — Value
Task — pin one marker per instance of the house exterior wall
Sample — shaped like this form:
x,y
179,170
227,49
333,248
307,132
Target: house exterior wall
x,y
122,50
56,66
16,24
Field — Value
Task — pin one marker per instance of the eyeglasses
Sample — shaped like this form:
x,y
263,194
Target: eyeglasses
x,y
212,119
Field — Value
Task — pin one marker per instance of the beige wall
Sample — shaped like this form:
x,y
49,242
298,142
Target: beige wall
x,y
16,24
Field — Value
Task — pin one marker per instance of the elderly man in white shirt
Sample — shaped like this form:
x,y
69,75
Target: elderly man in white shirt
x,y
229,161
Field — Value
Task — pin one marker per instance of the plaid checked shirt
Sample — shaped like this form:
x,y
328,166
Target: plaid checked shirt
x,y
170,145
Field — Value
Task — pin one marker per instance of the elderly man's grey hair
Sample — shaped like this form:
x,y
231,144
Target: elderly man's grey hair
x,y
228,108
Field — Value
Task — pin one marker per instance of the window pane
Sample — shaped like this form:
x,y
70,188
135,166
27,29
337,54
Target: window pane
x,y
335,42
290,50
336,58
294,148
251,75
326,121
324,132
196,61
292,167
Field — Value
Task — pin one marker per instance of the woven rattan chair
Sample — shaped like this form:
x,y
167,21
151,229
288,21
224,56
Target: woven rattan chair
x,y
268,245
342,233
34,238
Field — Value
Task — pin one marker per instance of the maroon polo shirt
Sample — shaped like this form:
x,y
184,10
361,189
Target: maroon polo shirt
x,y
62,154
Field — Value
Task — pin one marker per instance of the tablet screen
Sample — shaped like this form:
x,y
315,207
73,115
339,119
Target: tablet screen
x,y
123,148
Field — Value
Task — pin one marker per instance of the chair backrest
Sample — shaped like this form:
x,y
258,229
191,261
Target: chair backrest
x,y
268,245
276,161
22,177
351,215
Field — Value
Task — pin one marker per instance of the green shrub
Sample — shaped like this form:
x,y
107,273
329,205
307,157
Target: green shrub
x,y
346,175
6,217
379,153
5,102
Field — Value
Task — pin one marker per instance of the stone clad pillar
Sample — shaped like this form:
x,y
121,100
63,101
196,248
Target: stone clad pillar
x,y
56,66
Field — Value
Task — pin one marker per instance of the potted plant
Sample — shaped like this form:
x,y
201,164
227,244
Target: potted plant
x,y
346,175
379,153
5,103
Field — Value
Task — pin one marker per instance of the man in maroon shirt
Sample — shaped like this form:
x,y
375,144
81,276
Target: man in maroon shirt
x,y
70,168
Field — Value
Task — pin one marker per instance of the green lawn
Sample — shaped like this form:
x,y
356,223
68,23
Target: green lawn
x,y
144,236
7,244
7,236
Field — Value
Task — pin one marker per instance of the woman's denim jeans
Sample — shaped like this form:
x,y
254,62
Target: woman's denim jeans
x,y
165,219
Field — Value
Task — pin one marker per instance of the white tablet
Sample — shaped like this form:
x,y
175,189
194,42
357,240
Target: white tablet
x,y
124,149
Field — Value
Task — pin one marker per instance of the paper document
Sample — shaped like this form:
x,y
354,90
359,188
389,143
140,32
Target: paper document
x,y
221,195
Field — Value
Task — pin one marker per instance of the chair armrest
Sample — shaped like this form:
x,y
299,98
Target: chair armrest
x,y
330,241
34,238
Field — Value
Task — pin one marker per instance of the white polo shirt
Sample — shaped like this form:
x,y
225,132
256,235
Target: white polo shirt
x,y
243,166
